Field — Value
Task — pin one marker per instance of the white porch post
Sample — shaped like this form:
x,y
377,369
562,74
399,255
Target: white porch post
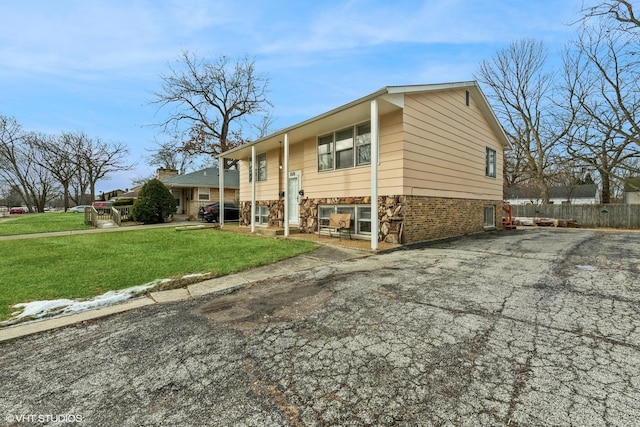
x,y
375,224
221,190
286,185
253,188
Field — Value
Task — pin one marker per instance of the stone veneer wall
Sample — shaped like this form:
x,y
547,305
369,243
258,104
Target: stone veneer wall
x,y
276,212
403,219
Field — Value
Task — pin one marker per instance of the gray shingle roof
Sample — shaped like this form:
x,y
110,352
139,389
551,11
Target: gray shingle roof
x,y
204,178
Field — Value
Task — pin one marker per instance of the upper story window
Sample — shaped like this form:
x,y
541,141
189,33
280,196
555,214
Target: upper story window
x,y
490,163
262,167
345,148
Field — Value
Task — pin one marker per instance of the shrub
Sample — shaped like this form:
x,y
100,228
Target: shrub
x,y
155,203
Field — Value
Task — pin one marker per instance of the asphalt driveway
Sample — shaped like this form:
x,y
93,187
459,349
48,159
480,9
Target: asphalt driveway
x,y
532,327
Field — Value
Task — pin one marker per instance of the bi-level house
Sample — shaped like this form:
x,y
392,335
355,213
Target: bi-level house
x,y
409,163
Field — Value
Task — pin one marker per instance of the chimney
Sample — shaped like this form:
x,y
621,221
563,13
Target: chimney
x,y
166,173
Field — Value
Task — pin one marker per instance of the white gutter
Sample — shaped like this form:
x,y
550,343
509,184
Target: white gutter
x,y
221,191
286,185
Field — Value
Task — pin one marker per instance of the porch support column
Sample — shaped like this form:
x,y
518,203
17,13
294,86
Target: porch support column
x,y
375,222
221,190
253,188
286,185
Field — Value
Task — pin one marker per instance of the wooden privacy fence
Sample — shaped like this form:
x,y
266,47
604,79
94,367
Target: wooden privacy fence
x,y
595,216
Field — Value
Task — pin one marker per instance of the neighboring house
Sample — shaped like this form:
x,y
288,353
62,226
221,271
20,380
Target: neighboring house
x,y
585,194
110,195
409,163
632,191
199,188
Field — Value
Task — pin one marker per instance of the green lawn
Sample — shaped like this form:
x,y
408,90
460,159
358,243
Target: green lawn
x,y
42,223
85,265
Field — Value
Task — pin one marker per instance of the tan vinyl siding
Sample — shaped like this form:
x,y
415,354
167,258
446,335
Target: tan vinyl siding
x,y
265,190
338,183
445,145
356,181
390,174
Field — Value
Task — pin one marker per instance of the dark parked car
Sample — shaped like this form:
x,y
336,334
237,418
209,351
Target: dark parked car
x,y
211,213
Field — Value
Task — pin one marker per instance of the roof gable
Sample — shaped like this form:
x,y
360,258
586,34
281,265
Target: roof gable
x,y
391,99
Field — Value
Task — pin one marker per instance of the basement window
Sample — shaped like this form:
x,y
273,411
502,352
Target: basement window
x,y
489,216
262,215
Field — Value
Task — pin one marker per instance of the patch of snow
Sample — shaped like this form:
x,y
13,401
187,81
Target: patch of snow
x,y
40,308
189,276
586,267
50,308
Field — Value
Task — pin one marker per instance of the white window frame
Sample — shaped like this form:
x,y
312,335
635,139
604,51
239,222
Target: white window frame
x,y
204,191
357,220
490,162
261,159
489,216
262,215
328,156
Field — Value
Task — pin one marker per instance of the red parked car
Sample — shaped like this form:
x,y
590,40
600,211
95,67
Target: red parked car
x,y
18,210
102,207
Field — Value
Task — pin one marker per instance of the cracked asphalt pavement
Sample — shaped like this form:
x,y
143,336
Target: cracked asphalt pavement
x,y
532,327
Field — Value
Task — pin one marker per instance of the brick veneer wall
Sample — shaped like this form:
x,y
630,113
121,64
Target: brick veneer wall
x,y
428,218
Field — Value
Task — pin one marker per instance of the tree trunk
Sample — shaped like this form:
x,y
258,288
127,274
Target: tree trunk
x,y
606,187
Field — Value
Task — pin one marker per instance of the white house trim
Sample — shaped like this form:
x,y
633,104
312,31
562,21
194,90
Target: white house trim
x,y
286,185
221,195
254,178
374,175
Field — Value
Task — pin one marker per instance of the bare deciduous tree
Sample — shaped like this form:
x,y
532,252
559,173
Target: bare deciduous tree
x,y
97,159
170,155
620,11
210,102
21,165
605,91
522,91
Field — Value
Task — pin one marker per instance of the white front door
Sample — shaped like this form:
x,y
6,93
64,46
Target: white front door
x,y
293,198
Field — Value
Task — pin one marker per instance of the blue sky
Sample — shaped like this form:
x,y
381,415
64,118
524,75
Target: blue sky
x,y
92,65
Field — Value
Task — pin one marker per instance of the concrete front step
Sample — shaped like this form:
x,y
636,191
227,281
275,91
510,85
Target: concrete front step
x,y
102,223
272,232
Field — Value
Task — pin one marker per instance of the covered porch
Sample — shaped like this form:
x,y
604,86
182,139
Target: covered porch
x,y
286,192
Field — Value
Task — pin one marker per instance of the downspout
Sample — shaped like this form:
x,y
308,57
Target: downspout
x,y
253,188
221,191
375,224
286,185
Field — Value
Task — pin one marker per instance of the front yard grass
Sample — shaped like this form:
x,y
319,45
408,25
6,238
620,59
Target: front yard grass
x,y
86,265
42,223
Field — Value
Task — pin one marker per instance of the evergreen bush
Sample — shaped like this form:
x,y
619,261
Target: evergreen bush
x,y
155,203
